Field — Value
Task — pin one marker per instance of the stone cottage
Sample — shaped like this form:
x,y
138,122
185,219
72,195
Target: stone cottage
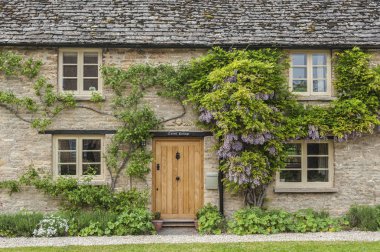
x,y
74,38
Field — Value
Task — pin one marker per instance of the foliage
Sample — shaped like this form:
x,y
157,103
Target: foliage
x,y
80,221
12,64
127,146
210,221
364,217
51,226
76,195
134,221
258,221
19,224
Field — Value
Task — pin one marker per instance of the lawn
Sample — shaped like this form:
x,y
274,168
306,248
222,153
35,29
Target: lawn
x,y
228,247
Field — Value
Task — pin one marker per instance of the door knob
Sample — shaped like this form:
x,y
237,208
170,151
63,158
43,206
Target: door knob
x,y
177,178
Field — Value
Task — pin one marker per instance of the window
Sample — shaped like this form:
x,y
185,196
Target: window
x,y
309,164
78,155
310,73
79,71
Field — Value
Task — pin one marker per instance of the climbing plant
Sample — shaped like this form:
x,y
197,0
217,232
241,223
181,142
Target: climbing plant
x,y
241,96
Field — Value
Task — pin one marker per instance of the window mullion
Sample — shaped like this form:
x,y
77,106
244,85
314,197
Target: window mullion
x,y
310,73
79,156
80,71
304,163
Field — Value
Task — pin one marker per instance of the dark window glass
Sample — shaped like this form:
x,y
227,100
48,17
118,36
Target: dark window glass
x,y
91,157
318,176
91,144
69,71
90,71
70,84
317,162
90,58
290,176
317,149
67,157
70,58
67,144
67,169
90,84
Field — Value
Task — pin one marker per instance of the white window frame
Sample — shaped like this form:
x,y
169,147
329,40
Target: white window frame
x,y
79,150
304,183
309,65
80,63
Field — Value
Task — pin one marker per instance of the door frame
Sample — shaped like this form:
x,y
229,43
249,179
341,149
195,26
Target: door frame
x,y
174,139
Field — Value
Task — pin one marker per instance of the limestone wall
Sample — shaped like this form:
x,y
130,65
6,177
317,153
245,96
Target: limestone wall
x,y
357,162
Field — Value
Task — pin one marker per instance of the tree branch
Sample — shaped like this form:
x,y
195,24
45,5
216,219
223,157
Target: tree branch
x,y
93,109
184,111
15,112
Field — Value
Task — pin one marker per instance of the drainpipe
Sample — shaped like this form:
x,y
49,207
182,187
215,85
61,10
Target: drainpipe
x,y
221,192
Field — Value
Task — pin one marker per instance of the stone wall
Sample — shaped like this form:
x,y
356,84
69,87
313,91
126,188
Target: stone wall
x,y
357,168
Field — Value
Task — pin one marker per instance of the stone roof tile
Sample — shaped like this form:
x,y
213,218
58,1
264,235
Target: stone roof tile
x,y
284,23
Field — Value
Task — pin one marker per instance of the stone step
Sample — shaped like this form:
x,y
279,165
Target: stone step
x,y
178,223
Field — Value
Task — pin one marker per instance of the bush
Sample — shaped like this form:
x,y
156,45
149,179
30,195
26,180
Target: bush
x,y
51,226
210,221
135,221
79,220
20,224
364,217
258,221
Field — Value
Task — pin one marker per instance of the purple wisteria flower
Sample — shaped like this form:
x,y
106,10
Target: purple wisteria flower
x,y
272,151
205,116
313,132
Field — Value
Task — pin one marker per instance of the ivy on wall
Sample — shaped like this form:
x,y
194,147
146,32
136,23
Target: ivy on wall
x,y
241,96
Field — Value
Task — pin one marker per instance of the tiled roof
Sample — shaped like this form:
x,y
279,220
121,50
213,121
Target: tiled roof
x,y
191,23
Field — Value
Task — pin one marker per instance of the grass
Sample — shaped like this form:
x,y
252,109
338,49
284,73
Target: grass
x,y
224,247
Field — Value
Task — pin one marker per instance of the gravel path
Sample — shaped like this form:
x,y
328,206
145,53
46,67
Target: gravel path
x,y
66,241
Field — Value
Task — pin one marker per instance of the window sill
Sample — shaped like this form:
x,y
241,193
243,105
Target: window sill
x,y
305,190
315,98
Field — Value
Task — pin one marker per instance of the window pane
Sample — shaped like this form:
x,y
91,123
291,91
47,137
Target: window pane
x,y
67,157
69,71
317,162
317,149
91,157
299,86
90,58
293,163
319,86
90,84
290,176
299,73
70,58
318,176
93,169
319,72
67,144
299,59
319,59
91,144
293,149
69,84
64,169
90,71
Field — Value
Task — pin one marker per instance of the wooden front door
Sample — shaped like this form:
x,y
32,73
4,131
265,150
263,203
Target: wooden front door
x,y
177,177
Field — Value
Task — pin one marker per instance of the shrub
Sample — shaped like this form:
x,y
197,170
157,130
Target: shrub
x,y
210,221
364,217
135,221
19,224
79,220
258,221
51,226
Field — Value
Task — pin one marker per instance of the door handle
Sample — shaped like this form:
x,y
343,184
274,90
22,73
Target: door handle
x,y
177,178
158,167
